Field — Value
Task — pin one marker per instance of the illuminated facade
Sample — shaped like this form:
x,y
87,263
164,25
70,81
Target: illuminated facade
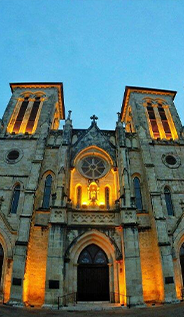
x,y
90,214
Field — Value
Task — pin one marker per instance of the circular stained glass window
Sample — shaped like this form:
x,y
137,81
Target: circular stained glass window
x,y
93,167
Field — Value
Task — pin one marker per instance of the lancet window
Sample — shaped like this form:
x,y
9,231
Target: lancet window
x,y
137,192
168,201
107,197
15,199
47,192
79,196
160,121
26,114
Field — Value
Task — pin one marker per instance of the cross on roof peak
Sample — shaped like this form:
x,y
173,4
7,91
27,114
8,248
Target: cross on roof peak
x,y
94,118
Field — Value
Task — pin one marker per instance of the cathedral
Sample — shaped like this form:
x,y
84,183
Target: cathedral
x,y
91,215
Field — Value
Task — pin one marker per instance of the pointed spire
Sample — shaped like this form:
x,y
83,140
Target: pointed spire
x,y
119,116
69,115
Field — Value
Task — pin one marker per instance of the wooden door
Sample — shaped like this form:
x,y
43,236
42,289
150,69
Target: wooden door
x,y
93,283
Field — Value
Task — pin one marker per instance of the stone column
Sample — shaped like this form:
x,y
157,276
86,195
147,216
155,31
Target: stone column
x,y
160,224
55,258
133,275
123,166
165,249
19,259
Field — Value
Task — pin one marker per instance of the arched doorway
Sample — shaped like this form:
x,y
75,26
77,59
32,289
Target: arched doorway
x,y
92,275
1,260
182,261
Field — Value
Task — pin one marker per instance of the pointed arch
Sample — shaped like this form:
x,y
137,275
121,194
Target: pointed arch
x,y
78,245
168,200
137,193
15,198
47,191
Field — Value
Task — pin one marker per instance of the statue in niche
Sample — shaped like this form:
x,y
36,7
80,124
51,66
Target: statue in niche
x,y
93,194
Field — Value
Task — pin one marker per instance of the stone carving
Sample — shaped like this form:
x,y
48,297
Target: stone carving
x,y
57,216
129,216
117,238
71,235
93,218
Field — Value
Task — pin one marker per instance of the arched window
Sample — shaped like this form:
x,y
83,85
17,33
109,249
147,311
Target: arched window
x,y
137,192
15,199
21,114
79,196
47,192
168,201
93,254
153,120
107,197
164,121
33,114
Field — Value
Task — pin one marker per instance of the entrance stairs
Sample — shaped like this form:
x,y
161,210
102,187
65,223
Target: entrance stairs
x,y
88,306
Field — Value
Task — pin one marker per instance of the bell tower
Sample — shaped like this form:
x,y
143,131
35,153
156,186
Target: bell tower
x,y
31,106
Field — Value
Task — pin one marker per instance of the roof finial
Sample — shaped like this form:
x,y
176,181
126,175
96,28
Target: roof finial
x,y
94,118
69,114
119,116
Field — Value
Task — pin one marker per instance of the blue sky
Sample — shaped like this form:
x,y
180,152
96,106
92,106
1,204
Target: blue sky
x,y
96,48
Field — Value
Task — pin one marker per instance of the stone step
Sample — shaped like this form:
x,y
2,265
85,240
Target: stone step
x,y
86,306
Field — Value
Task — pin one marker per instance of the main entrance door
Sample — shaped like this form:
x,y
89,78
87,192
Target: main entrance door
x,y
93,275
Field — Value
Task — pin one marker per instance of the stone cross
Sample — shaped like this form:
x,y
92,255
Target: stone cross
x,y
93,118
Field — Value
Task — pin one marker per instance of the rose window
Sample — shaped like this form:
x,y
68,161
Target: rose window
x,y
93,167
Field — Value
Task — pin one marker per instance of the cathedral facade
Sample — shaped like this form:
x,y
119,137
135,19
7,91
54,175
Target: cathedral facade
x,y
90,214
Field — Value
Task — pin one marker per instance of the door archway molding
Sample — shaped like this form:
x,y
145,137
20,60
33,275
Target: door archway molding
x,y
73,252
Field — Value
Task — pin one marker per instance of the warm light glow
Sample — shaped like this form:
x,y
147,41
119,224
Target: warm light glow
x,y
93,192
35,271
160,123
20,124
152,279
7,280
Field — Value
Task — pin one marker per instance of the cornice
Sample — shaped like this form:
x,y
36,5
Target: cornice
x,y
59,87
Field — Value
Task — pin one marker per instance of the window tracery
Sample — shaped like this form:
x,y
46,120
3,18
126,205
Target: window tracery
x,y
93,167
160,121
92,254
26,114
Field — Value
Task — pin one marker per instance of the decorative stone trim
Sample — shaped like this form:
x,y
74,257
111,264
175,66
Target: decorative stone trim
x,y
93,218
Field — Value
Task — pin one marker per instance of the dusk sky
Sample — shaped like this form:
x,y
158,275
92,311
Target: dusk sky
x,y
96,48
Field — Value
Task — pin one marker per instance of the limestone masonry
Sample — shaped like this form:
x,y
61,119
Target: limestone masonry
x,y
89,214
